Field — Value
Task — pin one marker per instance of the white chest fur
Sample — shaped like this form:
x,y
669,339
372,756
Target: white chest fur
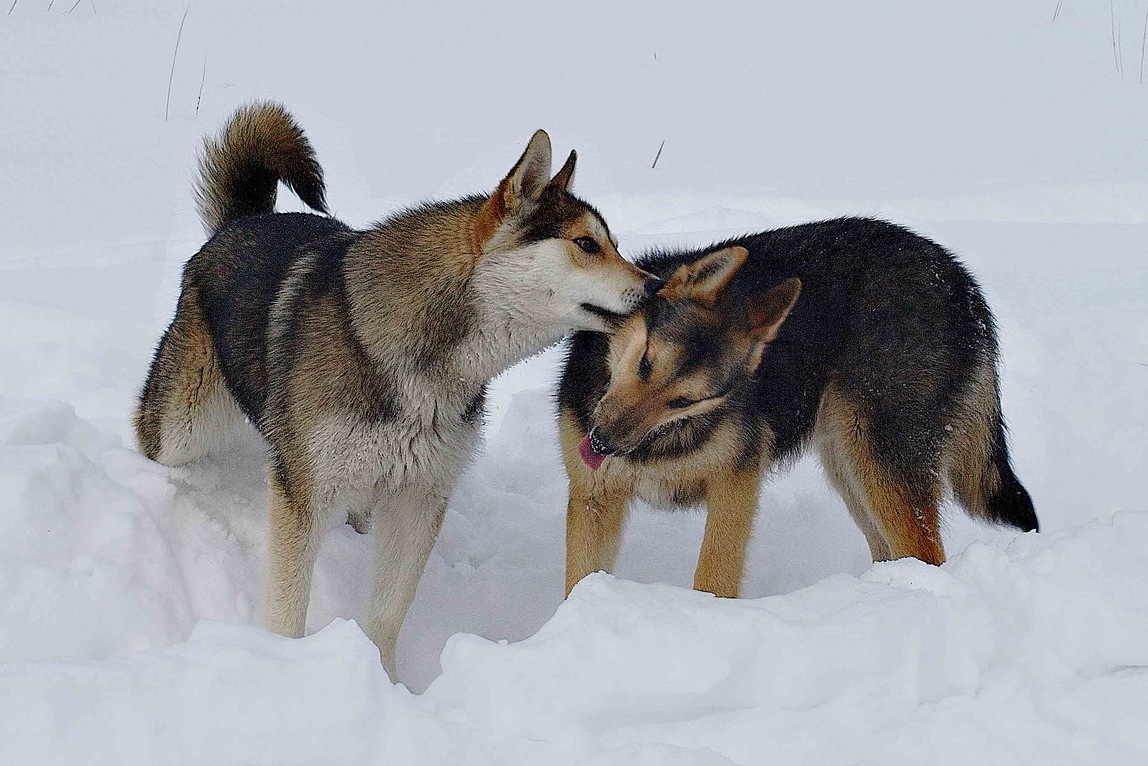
x,y
425,449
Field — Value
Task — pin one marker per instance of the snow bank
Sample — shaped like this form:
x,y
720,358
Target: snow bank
x,y
983,660
1017,650
228,695
98,547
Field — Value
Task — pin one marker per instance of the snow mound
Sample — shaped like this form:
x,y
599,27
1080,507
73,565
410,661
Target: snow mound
x,y
982,660
100,550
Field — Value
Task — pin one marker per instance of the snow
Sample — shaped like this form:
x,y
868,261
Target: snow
x,y
980,661
130,593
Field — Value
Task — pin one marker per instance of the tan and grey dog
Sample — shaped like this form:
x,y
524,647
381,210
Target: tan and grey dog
x,y
362,356
854,336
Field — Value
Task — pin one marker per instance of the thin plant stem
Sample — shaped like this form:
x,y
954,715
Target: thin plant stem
x,y
1112,22
174,55
659,154
202,78
1143,44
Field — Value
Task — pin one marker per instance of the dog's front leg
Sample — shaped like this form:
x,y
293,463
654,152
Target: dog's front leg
x,y
405,526
731,502
293,544
594,524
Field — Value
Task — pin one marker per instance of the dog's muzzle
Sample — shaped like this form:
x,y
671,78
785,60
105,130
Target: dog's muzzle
x,y
601,444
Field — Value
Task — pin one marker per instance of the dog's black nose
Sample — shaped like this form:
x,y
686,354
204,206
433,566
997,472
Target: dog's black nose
x,y
601,443
653,284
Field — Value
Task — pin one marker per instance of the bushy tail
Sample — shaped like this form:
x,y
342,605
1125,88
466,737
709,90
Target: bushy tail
x,y
240,169
985,484
1010,502
979,469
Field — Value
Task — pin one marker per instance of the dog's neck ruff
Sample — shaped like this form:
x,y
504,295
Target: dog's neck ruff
x,y
502,336
473,325
515,313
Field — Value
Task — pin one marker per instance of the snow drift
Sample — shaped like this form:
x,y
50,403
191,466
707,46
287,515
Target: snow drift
x,y
983,660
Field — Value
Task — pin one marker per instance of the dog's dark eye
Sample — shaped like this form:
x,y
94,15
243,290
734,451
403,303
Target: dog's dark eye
x,y
679,403
644,368
588,245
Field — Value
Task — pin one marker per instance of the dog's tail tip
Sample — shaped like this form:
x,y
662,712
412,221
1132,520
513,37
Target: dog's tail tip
x,y
982,477
1011,503
1005,500
240,169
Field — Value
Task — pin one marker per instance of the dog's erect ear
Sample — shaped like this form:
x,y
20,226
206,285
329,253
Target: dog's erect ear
x,y
564,178
766,313
704,279
530,174
526,180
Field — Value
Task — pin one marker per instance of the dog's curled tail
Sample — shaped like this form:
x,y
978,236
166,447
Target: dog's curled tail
x,y
240,169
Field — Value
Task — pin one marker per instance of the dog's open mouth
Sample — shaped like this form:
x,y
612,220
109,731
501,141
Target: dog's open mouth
x,y
592,459
593,452
612,318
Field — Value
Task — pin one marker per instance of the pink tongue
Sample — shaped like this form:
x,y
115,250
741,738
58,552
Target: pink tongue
x,y
588,455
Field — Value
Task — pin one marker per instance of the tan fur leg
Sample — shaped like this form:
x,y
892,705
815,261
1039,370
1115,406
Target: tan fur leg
x,y
593,533
878,547
405,527
293,545
731,502
842,475
595,512
910,522
896,520
185,408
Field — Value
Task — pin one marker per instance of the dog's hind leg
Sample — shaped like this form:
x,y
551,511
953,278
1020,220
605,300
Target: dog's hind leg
x,y
844,479
905,511
731,502
836,434
405,526
184,409
293,545
895,503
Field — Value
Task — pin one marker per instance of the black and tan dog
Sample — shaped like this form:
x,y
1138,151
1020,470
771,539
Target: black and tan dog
x,y
363,356
854,335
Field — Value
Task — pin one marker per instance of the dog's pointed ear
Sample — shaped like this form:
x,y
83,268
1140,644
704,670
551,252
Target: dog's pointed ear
x,y
766,314
529,176
564,178
704,279
526,180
